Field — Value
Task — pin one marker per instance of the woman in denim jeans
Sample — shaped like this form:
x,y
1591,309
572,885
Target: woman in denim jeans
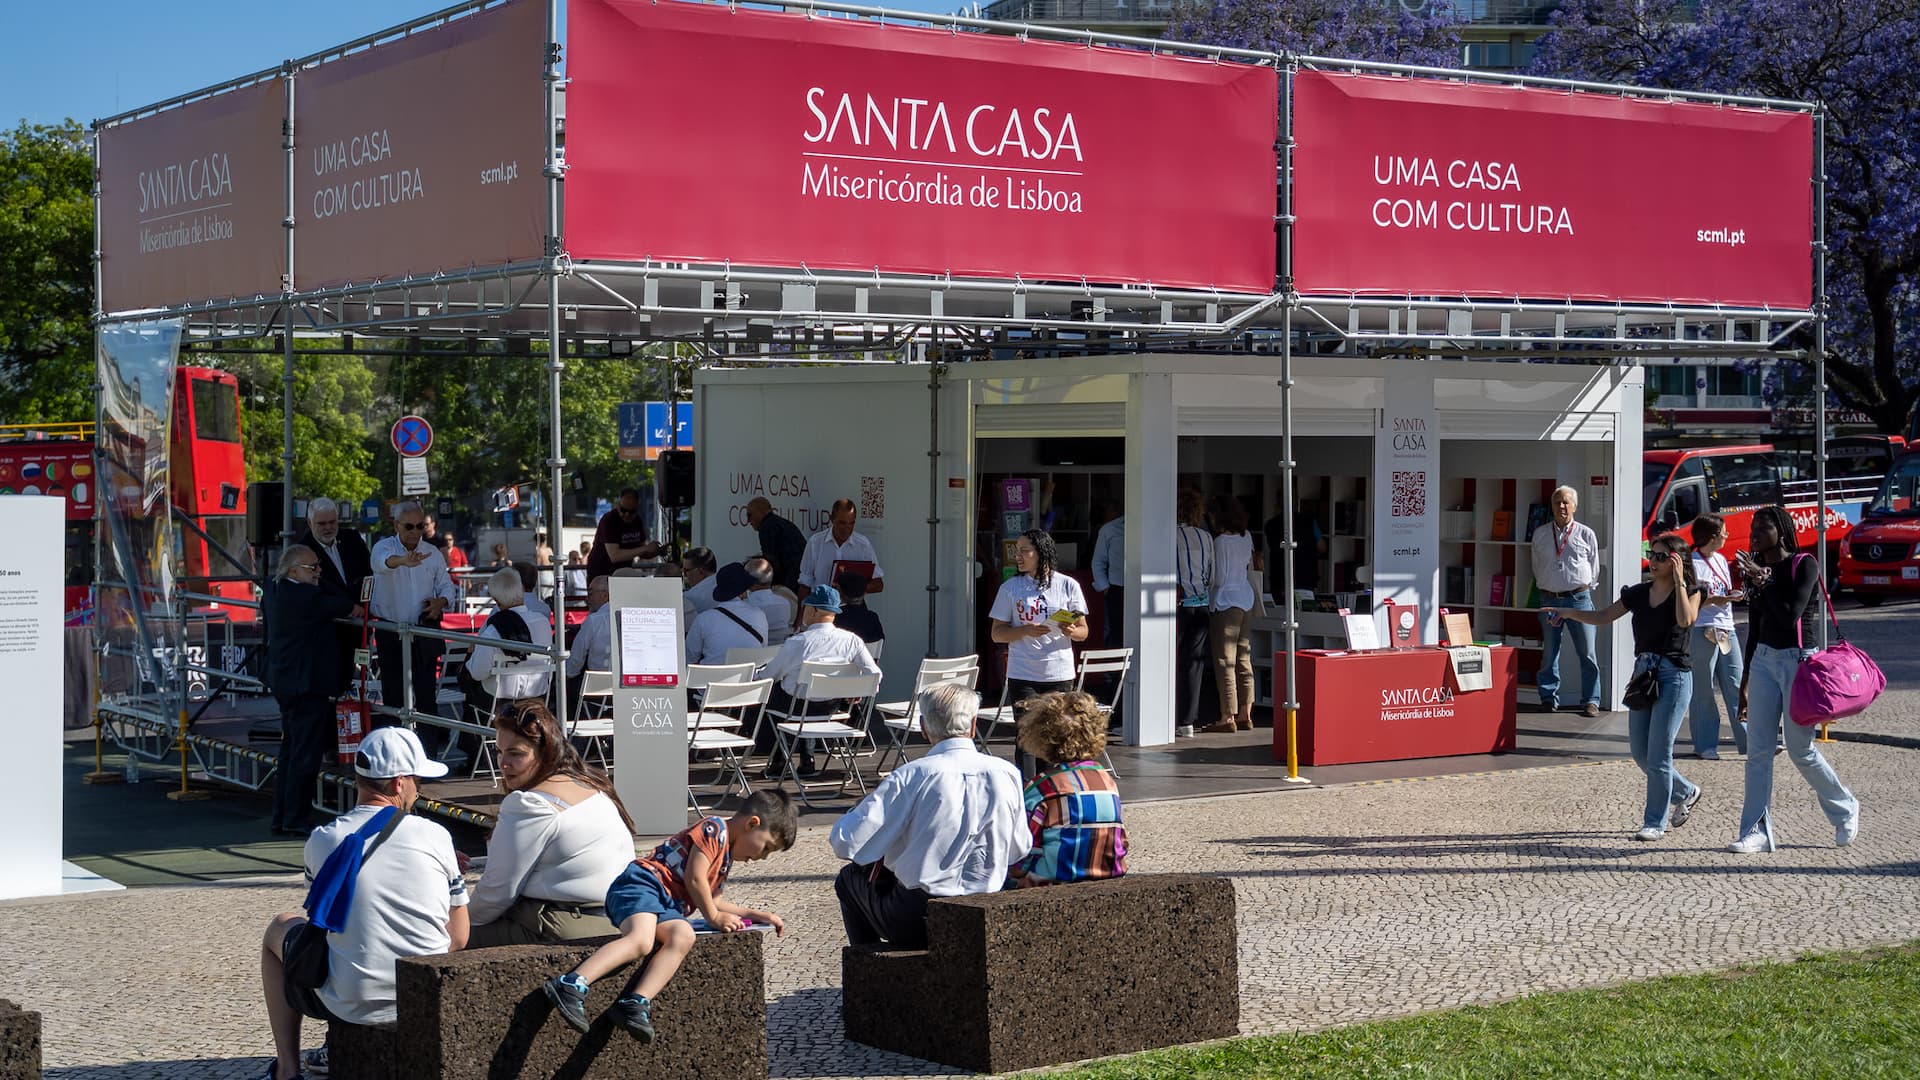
x,y
1784,620
1663,609
1714,644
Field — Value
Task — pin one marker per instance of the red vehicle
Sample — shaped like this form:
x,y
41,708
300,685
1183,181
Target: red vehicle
x,y
1677,486
1881,557
207,480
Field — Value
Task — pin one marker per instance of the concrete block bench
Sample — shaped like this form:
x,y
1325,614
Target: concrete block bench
x,y
1016,980
19,1042
480,1014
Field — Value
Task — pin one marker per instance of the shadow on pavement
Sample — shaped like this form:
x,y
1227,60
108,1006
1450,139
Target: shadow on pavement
x,y
803,1040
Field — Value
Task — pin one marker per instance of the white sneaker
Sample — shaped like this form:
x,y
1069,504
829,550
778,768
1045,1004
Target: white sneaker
x,y
1649,834
1754,843
314,1062
1184,731
1844,833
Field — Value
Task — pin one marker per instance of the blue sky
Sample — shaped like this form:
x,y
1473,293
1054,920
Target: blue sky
x,y
88,59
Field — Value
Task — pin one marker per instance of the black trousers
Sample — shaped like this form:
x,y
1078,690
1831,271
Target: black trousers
x,y
875,907
763,740
1194,696
307,732
1116,617
426,674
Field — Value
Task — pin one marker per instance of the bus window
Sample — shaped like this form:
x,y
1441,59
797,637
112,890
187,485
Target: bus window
x,y
216,411
1653,477
1737,480
1686,501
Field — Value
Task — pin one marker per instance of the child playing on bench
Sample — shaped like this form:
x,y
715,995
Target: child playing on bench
x,y
650,902
1073,805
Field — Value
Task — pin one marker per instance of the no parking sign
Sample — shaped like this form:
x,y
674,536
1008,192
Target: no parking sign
x,y
412,436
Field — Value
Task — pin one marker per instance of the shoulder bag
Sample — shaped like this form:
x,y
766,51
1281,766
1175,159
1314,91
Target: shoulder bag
x,y
1836,682
330,896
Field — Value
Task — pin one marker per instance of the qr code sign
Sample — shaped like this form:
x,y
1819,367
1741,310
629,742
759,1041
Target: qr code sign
x,y
1410,493
873,497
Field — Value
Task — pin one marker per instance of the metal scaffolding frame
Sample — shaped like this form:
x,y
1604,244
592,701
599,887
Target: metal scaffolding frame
x,y
792,314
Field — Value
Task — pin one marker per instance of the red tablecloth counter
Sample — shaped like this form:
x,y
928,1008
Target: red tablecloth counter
x,y
1395,704
462,623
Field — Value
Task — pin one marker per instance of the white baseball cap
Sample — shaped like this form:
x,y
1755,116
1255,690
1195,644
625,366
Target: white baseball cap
x,y
395,751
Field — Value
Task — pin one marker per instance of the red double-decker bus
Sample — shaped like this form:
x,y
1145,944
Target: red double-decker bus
x,y
57,460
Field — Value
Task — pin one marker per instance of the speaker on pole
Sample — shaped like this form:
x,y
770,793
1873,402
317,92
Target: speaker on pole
x,y
264,520
676,476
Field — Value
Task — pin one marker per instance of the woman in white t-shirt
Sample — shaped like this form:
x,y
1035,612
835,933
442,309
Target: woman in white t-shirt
x,y
1039,645
561,839
1713,644
1232,599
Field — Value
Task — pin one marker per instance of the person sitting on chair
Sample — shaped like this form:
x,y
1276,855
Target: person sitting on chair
x,y
510,621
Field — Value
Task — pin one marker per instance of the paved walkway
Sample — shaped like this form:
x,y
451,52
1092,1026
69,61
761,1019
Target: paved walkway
x,y
1356,902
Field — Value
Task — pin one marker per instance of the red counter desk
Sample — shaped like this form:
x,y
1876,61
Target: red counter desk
x,y
1394,704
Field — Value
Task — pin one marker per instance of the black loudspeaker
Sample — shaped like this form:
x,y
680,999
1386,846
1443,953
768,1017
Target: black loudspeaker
x,y
675,471
264,520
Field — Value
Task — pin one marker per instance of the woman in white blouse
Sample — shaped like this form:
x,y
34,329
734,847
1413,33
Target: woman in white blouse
x,y
561,839
1232,601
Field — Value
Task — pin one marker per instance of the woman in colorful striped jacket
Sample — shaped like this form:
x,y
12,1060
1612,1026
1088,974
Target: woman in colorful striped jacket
x,y
1073,804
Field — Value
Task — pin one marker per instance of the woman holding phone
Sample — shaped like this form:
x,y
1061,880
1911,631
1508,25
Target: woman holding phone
x,y
1038,614
1784,624
1663,611
1714,644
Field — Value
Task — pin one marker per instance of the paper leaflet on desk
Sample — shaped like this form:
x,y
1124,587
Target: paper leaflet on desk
x,y
1361,631
1472,667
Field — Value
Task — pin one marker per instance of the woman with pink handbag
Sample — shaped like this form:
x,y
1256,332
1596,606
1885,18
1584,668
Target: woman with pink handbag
x,y
1784,596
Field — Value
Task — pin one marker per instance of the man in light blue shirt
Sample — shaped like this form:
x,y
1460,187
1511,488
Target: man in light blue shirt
x,y
1109,564
949,823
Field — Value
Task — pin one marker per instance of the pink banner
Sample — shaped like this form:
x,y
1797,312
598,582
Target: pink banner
x,y
1419,187
423,154
191,202
712,134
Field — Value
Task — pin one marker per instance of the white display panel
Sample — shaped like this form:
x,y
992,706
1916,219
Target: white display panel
x,y
32,554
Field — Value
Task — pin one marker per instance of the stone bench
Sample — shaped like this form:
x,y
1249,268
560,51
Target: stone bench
x,y
19,1042
481,1014
1021,979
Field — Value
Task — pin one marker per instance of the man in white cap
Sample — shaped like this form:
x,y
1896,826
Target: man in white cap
x,y
409,899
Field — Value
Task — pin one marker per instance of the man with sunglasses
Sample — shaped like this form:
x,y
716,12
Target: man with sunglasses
x,y
410,585
620,538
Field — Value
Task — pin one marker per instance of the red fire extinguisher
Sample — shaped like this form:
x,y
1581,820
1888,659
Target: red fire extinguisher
x,y
353,718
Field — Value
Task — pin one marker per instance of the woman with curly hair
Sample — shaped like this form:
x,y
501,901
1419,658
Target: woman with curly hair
x,y
561,839
1073,804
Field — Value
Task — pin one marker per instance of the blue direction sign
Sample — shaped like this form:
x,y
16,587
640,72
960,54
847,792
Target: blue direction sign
x,y
412,436
644,432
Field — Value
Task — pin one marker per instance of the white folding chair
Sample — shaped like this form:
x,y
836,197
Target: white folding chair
x,y
901,717
759,657
505,665
447,691
875,648
593,716
991,717
1114,662
731,703
835,731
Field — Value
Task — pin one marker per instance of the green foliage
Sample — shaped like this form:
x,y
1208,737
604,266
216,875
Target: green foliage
x,y
1840,1016
46,277
335,402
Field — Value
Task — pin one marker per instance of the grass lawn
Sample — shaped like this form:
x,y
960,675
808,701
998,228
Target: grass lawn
x,y
1851,1015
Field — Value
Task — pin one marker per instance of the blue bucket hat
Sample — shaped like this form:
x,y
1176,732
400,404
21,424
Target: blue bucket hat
x,y
824,597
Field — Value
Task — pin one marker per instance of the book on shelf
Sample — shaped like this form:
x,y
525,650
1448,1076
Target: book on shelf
x,y
1499,586
1503,525
1459,585
1537,515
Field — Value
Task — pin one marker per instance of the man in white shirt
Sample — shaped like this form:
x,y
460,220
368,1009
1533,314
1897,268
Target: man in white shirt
x,y
592,648
838,543
733,622
950,823
772,601
819,641
1566,568
511,620
411,586
409,899
1109,575
697,568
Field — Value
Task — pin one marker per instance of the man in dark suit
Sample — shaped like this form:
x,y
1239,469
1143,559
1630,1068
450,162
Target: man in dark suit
x,y
301,647
781,542
344,563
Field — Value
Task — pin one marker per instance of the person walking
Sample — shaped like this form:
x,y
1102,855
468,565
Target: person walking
x,y
1193,557
1783,623
1231,594
1663,610
1714,645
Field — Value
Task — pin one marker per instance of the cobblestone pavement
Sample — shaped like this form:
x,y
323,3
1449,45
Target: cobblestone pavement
x,y
1355,903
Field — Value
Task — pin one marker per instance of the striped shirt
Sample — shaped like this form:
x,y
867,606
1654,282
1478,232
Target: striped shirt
x,y
1193,547
1073,812
669,861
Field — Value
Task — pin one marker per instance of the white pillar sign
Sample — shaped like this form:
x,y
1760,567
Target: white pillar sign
x,y
32,552
649,702
1406,486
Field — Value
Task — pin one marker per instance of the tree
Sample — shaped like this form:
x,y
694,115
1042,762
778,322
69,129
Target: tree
x,y
46,275
1859,59
336,415
1350,29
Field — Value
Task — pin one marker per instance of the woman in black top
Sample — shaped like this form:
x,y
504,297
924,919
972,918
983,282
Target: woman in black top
x,y
1785,608
1663,609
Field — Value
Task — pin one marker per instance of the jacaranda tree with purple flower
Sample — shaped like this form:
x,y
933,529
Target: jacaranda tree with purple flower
x,y
1386,30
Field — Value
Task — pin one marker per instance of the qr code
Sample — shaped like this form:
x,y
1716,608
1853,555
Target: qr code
x,y
873,497
1410,494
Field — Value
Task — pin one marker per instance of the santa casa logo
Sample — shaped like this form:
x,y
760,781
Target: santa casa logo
x,y
1400,697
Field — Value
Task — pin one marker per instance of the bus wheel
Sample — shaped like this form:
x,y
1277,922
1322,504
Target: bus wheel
x,y
1871,599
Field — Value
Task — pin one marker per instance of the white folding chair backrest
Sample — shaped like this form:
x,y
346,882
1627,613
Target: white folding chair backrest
x,y
758,657
949,663
927,680
595,687
1105,662
834,687
813,669
737,695
701,676
874,647
506,663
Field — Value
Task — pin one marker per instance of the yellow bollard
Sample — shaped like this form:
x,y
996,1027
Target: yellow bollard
x,y
185,794
1824,736
1293,748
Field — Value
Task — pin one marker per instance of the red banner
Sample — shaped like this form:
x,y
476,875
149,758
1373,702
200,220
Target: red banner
x,y
191,202
705,133
423,154
1419,187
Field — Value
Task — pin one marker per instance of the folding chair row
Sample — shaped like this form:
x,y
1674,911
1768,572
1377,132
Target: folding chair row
x,y
900,718
1096,662
814,718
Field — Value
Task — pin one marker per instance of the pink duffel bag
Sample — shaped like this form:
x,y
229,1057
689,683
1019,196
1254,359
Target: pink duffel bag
x,y
1836,682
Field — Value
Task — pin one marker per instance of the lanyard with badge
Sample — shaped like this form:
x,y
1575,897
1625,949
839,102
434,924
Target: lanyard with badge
x,y
1721,638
